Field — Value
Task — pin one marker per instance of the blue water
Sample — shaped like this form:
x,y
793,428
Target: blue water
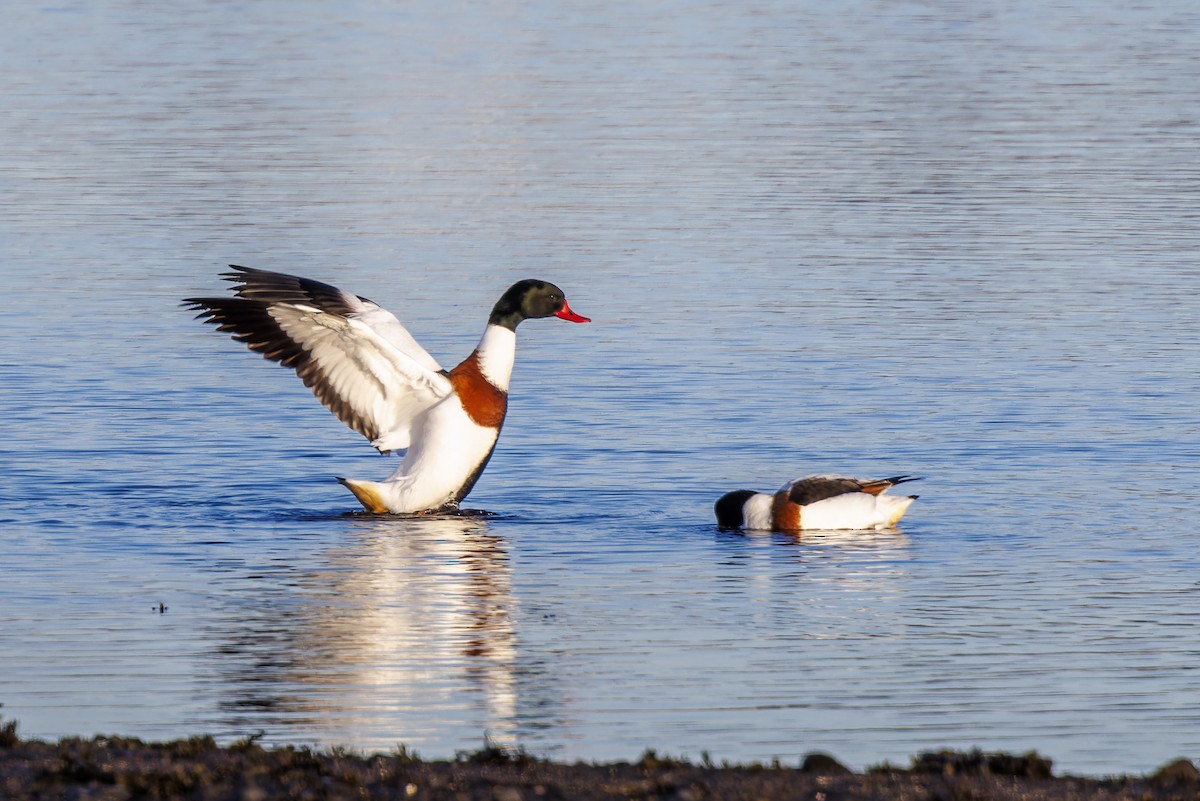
x,y
946,239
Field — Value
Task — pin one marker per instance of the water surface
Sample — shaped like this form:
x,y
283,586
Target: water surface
x,y
942,239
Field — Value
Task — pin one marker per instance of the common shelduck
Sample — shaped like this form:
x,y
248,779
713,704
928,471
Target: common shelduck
x,y
816,502
368,370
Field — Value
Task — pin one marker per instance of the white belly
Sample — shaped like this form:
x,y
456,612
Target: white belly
x,y
855,510
447,448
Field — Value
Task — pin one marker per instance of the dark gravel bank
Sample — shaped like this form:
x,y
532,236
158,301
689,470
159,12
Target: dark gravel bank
x,y
120,768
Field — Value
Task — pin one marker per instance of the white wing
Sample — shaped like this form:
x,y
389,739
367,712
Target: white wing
x,y
355,356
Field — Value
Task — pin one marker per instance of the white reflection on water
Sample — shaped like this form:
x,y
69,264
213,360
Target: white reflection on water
x,y
416,612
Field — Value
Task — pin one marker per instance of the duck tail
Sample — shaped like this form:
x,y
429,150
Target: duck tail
x,y
894,480
368,494
897,506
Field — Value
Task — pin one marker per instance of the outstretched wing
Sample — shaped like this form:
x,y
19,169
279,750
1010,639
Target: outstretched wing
x,y
355,355
810,489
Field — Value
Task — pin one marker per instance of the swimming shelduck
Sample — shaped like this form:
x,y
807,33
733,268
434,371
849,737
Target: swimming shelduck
x,y
368,370
816,502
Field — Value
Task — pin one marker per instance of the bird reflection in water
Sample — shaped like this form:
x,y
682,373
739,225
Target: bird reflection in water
x,y
855,576
399,628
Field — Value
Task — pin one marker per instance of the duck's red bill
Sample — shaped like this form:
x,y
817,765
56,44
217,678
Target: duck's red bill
x,y
566,314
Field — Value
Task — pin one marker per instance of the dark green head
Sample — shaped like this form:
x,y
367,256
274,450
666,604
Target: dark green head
x,y
730,509
532,298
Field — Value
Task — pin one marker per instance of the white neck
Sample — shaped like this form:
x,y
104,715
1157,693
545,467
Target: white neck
x,y
497,349
756,512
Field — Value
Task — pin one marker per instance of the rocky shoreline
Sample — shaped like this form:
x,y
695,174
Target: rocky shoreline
x,y
120,768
